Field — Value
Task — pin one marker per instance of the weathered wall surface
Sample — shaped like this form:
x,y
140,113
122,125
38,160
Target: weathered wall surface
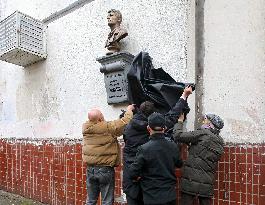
x,y
234,74
51,98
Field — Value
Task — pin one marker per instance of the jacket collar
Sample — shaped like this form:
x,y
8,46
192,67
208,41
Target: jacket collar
x,y
157,136
214,131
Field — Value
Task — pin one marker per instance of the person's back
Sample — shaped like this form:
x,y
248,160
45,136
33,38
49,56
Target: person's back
x,y
205,150
155,164
135,134
203,158
158,182
100,145
101,153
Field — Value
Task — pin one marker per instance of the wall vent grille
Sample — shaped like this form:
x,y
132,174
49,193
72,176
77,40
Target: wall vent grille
x,y
22,39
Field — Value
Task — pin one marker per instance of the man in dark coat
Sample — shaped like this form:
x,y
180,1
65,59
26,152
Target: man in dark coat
x,y
155,164
206,147
136,134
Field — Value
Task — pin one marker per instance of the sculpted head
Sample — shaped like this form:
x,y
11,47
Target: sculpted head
x,y
114,17
95,115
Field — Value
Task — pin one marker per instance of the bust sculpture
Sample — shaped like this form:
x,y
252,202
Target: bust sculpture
x,y
116,32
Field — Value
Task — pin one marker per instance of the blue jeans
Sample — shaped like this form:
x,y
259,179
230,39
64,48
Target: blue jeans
x,y
100,179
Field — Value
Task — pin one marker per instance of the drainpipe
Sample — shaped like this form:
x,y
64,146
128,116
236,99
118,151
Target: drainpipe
x,y
199,60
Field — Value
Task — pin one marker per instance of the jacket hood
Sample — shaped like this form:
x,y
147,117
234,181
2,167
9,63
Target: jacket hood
x,y
139,122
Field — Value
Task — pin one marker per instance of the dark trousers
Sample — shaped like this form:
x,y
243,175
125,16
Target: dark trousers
x,y
187,199
137,201
168,203
100,179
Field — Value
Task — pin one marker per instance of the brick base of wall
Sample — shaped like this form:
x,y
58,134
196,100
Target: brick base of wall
x,y
52,171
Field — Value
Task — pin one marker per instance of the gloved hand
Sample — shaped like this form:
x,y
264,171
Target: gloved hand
x,y
122,114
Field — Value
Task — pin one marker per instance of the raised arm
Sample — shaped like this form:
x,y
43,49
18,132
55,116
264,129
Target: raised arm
x,y
180,107
185,137
116,127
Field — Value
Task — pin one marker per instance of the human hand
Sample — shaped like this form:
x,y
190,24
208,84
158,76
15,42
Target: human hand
x,y
122,114
130,107
181,118
137,179
187,91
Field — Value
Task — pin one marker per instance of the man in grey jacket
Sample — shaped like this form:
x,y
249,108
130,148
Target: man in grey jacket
x,y
206,147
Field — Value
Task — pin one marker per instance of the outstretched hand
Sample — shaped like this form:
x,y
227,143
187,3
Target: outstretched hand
x,y
130,107
187,91
181,118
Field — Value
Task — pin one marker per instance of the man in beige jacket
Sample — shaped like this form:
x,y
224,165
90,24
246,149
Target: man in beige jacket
x,y
101,153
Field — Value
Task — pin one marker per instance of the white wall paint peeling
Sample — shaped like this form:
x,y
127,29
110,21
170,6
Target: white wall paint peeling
x,y
51,98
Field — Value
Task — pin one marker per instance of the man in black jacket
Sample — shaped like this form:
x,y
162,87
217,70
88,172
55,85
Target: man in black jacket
x,y
136,134
155,165
205,149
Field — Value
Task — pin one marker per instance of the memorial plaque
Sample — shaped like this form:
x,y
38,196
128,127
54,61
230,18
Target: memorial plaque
x,y
115,68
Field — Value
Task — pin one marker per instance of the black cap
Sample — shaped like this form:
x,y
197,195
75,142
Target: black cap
x,y
156,121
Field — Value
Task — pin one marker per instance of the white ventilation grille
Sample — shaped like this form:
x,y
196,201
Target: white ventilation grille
x,y
22,39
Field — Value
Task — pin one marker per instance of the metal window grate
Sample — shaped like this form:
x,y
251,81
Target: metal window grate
x,y
22,39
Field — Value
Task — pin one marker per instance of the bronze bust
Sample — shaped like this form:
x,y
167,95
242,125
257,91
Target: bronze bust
x,y
116,32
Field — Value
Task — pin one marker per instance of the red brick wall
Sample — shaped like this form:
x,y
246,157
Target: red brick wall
x,y
52,171
241,176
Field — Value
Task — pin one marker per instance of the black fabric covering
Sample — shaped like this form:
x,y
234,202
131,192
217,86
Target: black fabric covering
x,y
155,85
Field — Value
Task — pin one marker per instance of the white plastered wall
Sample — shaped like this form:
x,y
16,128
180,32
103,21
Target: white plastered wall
x,y
51,98
234,72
